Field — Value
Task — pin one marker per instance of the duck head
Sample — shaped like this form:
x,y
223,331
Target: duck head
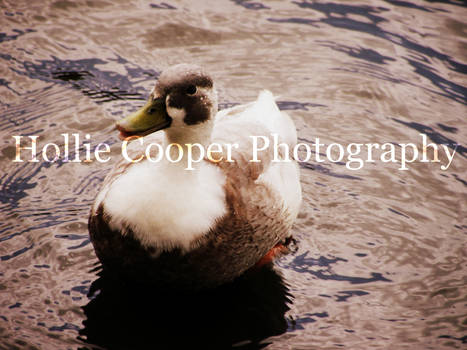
x,y
183,102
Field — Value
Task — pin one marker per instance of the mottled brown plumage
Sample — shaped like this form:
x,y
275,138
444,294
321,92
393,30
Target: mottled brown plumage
x,y
238,242
261,199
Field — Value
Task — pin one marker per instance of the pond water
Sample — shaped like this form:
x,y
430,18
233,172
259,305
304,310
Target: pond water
x,y
380,257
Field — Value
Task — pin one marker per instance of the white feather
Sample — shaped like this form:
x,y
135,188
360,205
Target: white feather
x,y
166,206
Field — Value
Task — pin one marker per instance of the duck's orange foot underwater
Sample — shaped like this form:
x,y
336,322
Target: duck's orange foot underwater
x,y
276,252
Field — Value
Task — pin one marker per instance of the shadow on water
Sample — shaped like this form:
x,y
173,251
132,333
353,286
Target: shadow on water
x,y
250,5
243,313
338,16
322,268
435,136
84,74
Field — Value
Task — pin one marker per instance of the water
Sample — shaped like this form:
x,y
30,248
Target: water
x,y
380,259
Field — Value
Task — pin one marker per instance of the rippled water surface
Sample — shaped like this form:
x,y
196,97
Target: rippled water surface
x,y
380,258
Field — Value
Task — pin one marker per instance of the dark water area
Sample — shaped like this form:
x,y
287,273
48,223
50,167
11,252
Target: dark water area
x,y
380,257
243,313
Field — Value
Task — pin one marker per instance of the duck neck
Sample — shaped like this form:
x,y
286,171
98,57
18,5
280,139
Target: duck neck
x,y
190,140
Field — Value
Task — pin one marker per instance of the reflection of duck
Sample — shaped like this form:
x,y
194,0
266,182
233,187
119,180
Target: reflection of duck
x,y
244,313
197,228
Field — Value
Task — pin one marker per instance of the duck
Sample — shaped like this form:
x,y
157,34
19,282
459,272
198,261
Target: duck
x,y
156,220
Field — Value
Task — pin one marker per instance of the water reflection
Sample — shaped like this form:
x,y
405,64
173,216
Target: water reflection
x,y
243,313
382,252
338,16
322,269
85,75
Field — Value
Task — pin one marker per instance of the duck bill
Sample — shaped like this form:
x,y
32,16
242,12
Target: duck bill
x,y
148,119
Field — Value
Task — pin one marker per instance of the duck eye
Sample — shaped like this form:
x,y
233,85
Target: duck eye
x,y
190,90
152,110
